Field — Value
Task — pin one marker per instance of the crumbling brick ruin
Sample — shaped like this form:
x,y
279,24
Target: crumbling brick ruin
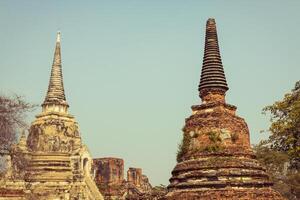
x,y
138,186
109,170
109,177
134,176
215,160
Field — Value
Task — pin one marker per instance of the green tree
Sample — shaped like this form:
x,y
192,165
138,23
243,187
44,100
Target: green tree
x,y
286,180
280,152
285,126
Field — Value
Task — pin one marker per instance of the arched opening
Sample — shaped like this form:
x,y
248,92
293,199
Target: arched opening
x,y
86,166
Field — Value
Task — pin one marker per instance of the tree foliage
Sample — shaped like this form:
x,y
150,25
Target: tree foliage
x,y
280,153
285,126
12,117
286,180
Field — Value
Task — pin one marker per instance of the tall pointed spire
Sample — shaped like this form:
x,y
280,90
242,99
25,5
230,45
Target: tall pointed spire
x,y
212,76
56,94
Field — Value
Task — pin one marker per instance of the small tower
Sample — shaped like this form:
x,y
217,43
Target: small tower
x,y
215,160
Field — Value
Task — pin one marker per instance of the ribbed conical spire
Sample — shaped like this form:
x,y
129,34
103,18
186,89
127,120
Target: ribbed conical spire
x,y
56,93
212,76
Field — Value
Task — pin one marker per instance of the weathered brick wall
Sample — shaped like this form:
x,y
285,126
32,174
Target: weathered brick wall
x,y
134,176
109,170
109,177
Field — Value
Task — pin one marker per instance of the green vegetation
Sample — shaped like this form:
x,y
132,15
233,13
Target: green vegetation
x,y
216,140
183,147
280,153
214,137
213,148
285,125
286,179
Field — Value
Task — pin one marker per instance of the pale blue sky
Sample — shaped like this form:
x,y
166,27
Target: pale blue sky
x,y
131,68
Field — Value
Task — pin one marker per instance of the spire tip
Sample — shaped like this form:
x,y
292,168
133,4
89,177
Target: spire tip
x,y
211,21
58,36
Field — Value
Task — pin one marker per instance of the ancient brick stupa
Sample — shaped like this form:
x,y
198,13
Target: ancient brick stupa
x,y
59,163
215,160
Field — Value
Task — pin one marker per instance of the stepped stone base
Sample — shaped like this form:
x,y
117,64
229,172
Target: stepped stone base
x,y
221,176
224,194
49,167
12,190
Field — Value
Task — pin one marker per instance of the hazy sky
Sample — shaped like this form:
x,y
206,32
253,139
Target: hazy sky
x,y
132,68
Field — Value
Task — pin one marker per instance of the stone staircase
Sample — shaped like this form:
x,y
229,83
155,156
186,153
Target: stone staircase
x,y
93,191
